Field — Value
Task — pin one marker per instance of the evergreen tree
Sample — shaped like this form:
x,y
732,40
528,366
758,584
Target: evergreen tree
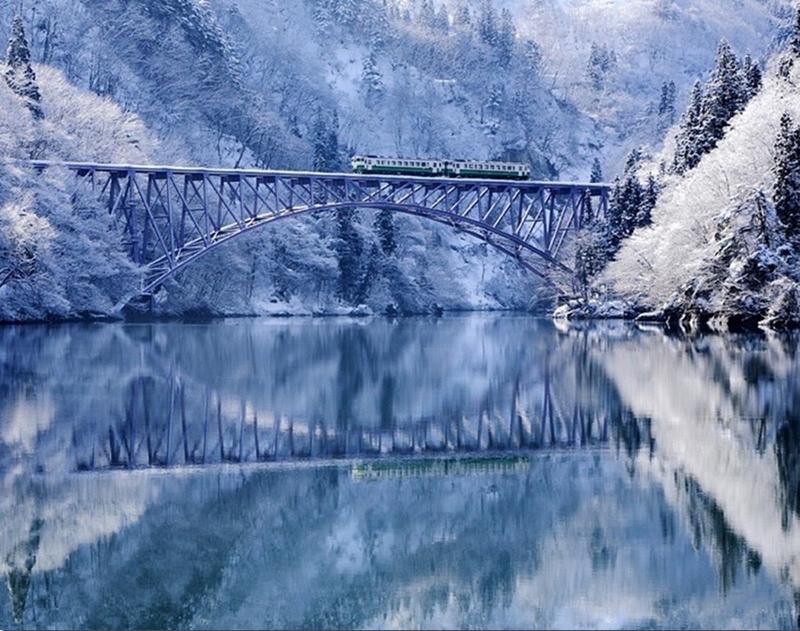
x,y
462,17
751,76
724,96
786,195
327,156
712,106
615,219
647,203
487,23
441,22
349,248
320,133
596,174
18,74
666,104
626,203
601,62
689,142
506,37
426,17
794,41
384,226
592,252
532,53
335,162
371,80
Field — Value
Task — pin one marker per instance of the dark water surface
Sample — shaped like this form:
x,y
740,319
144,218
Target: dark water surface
x,y
478,471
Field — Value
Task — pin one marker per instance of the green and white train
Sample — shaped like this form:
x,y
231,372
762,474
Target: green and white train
x,y
491,169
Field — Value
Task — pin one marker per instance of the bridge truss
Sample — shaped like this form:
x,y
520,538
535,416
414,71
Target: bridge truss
x,y
170,216
171,422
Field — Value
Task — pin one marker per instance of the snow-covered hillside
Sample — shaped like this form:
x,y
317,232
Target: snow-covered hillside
x,y
651,43
715,248
305,83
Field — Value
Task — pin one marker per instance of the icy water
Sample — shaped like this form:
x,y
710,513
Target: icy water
x,y
478,471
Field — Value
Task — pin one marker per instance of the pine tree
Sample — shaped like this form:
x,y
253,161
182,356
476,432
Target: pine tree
x,y
327,156
786,195
487,23
441,22
506,37
689,142
751,77
712,106
666,104
596,174
724,96
601,62
349,249
371,80
19,75
426,17
794,41
384,226
647,203
320,133
333,153
626,202
462,17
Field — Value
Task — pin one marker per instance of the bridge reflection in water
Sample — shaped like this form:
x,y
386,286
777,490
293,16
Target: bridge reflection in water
x,y
344,400
206,432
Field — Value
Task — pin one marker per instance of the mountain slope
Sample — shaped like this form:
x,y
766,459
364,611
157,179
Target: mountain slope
x,y
715,248
269,84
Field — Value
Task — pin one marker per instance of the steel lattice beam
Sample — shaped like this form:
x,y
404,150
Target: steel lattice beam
x,y
172,215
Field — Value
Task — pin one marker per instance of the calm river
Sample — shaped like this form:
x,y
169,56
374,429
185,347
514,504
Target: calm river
x,y
476,471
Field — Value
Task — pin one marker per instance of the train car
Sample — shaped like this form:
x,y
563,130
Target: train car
x,y
488,169
398,166
441,168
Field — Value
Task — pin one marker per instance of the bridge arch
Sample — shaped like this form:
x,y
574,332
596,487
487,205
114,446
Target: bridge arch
x,y
159,270
171,216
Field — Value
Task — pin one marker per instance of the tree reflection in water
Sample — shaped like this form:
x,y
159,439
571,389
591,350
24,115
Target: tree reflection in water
x,y
490,471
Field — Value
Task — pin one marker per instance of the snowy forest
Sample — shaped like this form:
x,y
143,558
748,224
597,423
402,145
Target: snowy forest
x,y
690,110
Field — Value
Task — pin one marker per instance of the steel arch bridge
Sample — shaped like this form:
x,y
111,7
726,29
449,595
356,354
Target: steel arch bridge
x,y
170,216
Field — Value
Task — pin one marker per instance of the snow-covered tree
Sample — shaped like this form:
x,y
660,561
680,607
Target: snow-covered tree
x,y
666,105
506,39
372,80
752,77
426,15
627,203
786,194
384,226
596,174
724,95
19,74
327,154
352,287
462,17
602,62
690,143
729,88
648,202
794,39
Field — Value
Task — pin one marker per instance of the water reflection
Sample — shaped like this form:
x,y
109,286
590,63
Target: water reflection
x,y
253,391
481,471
